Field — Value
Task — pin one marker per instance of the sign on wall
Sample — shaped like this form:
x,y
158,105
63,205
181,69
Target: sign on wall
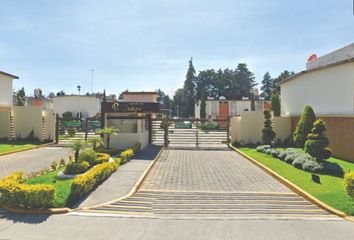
x,y
131,107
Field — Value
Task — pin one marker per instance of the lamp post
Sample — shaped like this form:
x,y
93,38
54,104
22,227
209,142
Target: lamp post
x,y
78,88
92,70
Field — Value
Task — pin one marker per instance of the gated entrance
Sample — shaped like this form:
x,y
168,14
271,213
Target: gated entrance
x,y
69,129
191,133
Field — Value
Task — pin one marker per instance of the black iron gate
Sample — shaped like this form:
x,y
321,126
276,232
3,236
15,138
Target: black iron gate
x,y
191,133
68,129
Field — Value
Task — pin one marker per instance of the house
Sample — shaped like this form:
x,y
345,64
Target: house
x,y
6,88
327,85
88,106
222,108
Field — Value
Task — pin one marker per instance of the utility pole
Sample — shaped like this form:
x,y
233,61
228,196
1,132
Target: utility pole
x,y
92,70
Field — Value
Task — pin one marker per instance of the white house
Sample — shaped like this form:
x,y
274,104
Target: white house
x,y
89,106
6,89
327,85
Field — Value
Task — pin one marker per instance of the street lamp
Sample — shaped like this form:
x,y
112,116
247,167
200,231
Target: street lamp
x,y
79,88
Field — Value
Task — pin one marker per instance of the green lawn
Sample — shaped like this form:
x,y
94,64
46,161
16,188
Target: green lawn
x,y
62,186
331,190
8,147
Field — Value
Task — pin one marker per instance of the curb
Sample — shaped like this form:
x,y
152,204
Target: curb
x,y
27,149
44,211
295,188
134,189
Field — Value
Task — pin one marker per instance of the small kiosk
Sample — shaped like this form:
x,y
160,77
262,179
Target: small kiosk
x,y
132,117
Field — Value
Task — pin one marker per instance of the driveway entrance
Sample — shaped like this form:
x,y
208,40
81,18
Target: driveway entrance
x,y
214,183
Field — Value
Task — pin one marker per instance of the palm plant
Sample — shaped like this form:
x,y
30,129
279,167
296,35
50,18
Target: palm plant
x,y
96,141
77,146
108,132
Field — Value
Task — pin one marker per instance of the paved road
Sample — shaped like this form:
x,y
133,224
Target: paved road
x,y
32,160
208,184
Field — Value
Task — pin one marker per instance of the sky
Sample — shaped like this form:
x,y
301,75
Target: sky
x,y
146,45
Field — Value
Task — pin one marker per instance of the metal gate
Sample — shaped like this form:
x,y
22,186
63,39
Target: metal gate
x,y
191,133
70,129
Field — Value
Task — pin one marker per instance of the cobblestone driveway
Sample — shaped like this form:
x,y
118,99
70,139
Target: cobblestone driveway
x,y
32,160
214,170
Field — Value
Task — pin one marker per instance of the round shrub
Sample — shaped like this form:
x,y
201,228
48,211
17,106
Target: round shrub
x,y
290,157
275,153
312,166
76,167
349,184
269,151
101,158
333,169
299,161
282,155
262,148
88,155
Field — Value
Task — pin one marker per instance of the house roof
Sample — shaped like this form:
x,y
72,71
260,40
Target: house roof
x,y
350,60
9,75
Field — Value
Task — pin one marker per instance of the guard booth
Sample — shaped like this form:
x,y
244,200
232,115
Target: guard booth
x,y
131,118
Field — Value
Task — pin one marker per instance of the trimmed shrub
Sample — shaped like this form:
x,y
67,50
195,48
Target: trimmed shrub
x,y
76,167
16,193
268,134
312,166
127,155
349,184
262,148
317,143
303,127
88,155
290,157
282,155
110,151
84,183
268,151
67,114
299,161
333,169
136,147
101,158
275,153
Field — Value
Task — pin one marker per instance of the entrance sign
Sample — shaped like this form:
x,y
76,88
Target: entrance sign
x,y
130,107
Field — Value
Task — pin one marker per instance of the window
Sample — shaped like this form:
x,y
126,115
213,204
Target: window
x,y
214,107
233,108
124,125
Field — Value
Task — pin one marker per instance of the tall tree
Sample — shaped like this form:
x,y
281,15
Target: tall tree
x,y
203,106
178,101
189,91
21,97
267,86
104,100
283,75
245,81
276,104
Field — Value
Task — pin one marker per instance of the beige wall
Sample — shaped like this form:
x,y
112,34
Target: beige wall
x,y
5,91
139,97
27,119
89,106
248,127
49,125
4,124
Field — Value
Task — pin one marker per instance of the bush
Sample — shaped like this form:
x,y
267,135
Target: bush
x,y
72,132
312,166
88,155
16,193
303,127
275,153
110,151
349,184
282,155
276,104
67,114
290,157
101,158
317,143
76,167
84,183
333,169
268,151
262,148
268,134
127,155
136,147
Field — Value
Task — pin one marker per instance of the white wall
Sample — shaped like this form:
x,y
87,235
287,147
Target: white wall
x,y
327,91
88,105
139,97
5,91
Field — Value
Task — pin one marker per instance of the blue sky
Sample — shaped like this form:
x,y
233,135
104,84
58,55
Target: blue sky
x,y
145,45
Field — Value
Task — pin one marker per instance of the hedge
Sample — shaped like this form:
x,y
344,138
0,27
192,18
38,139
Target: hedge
x,y
349,184
16,193
84,183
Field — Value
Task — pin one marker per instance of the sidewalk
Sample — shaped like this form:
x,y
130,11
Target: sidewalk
x,y
123,180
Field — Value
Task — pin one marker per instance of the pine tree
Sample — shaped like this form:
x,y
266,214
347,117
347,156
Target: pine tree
x,y
21,97
245,81
268,134
203,106
304,126
283,75
267,86
189,92
253,104
104,100
276,104
317,142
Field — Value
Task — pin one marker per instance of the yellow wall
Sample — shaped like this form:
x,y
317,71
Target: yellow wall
x,y
4,124
49,127
27,119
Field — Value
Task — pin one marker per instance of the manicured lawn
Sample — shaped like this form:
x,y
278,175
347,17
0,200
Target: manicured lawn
x,y
331,190
62,186
8,147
